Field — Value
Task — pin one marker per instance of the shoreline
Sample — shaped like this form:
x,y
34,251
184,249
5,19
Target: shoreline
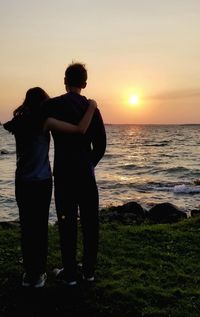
x,y
132,213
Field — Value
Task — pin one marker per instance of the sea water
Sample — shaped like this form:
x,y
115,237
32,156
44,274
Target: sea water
x,y
149,164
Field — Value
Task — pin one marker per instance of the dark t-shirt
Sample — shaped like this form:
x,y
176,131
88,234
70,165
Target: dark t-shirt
x,y
76,154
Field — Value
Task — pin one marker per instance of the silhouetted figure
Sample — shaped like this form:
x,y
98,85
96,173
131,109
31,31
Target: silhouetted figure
x,y
75,184
33,178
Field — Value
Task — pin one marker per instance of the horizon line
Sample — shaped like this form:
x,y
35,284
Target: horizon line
x,y
152,123
1,123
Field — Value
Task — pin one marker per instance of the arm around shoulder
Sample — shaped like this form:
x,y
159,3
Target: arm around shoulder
x,y
87,118
66,127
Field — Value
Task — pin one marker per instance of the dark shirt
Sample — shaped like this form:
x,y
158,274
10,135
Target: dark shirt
x,y
32,147
76,153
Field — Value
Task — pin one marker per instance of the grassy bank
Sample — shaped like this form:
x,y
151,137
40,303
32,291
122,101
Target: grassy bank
x,y
143,270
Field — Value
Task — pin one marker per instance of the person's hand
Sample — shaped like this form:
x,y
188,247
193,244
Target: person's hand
x,y
92,103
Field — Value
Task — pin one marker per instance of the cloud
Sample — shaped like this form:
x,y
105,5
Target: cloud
x,y
176,94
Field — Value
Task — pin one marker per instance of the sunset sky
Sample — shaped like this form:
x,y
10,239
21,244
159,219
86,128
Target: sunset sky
x,y
147,50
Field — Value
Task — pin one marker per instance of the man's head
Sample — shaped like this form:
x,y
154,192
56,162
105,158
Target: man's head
x,y
76,76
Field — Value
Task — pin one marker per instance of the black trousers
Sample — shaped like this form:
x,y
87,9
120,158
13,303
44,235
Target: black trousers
x,y
71,194
33,200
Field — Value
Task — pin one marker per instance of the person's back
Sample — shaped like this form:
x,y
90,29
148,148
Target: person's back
x,y
74,179
33,184
32,147
74,151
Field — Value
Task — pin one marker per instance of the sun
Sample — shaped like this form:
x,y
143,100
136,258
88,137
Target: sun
x,y
133,100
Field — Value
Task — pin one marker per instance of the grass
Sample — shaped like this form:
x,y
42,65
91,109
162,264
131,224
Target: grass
x,y
143,270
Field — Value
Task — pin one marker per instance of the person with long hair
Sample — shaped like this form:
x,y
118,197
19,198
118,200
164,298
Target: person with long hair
x,y
33,177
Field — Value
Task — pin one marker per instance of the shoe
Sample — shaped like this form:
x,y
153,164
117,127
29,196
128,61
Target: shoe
x,y
85,277
28,281
88,278
40,282
59,274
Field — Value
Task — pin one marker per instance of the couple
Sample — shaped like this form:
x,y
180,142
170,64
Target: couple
x,y
79,144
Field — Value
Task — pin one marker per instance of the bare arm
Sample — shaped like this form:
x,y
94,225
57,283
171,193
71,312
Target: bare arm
x,y
65,127
98,138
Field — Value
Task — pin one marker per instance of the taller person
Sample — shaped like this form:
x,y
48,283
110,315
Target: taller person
x,y
75,158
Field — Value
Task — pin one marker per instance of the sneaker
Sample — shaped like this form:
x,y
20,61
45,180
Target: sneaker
x,y
39,282
88,278
85,277
59,274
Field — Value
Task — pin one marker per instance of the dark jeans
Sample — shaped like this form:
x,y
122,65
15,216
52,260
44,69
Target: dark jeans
x,y
33,200
69,195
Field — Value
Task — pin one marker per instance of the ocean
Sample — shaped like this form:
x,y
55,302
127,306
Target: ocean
x,y
148,164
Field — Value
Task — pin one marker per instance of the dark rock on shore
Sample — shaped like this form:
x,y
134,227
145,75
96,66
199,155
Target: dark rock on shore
x,y
133,213
195,212
3,151
9,224
165,213
128,213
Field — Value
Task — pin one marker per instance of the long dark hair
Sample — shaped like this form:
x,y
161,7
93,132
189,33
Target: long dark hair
x,y
33,101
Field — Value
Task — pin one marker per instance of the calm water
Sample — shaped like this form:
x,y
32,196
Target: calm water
x,y
147,164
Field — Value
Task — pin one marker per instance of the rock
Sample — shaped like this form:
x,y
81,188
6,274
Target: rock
x,y
9,224
165,213
132,207
197,182
128,213
3,151
195,212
